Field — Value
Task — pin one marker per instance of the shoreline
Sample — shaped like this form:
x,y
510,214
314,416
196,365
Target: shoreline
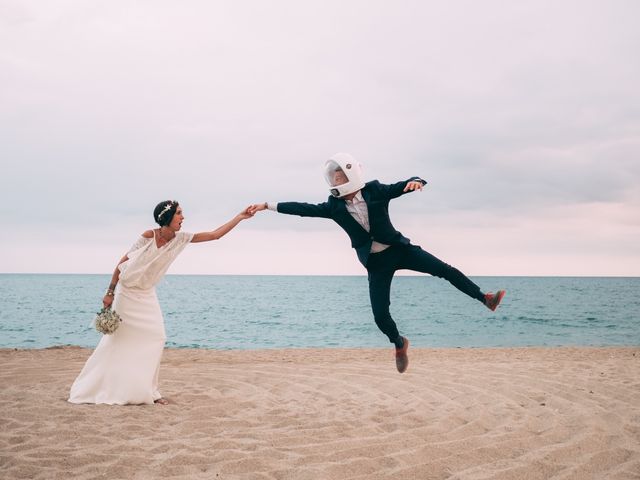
x,y
333,348
333,413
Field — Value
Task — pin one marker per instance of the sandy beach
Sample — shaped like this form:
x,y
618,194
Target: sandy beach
x,y
523,413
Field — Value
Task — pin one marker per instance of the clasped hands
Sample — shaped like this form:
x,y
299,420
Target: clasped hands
x,y
251,210
256,207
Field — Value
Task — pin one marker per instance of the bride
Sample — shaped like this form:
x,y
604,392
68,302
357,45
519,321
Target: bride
x,y
124,367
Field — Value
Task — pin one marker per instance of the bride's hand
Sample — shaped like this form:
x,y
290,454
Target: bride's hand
x,y
107,300
246,213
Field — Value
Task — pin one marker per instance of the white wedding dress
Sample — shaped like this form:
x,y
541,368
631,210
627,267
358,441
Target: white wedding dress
x,y
124,367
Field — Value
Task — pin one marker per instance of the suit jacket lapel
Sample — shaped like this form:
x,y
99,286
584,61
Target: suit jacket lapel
x,y
366,195
343,214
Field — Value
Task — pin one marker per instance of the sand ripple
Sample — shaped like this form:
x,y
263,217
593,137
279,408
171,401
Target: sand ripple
x,y
565,413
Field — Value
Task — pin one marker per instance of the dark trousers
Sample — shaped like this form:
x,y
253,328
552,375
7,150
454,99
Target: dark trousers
x,y
382,266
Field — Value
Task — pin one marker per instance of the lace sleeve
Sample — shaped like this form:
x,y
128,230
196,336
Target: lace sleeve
x,y
184,237
141,242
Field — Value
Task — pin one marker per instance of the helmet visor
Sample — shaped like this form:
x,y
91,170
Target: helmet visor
x,y
334,175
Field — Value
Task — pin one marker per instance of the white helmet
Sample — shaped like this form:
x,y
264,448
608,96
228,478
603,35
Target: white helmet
x,y
343,173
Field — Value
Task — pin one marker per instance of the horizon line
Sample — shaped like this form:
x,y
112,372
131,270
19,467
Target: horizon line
x,y
331,275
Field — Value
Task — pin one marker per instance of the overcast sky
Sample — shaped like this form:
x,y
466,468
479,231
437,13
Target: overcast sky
x,y
524,117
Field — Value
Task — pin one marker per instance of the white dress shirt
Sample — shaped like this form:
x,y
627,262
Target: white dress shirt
x,y
359,211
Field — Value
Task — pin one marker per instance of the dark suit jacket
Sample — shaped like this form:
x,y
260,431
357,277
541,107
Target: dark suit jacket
x,y
377,196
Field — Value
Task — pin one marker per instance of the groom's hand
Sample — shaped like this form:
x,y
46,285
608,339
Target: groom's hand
x,y
257,207
413,185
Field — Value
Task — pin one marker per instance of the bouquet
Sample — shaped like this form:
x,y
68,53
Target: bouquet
x,y
107,321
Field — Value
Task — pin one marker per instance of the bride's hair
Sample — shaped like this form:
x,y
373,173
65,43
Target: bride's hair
x,y
164,212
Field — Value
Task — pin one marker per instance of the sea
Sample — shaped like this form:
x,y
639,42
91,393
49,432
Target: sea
x,y
266,312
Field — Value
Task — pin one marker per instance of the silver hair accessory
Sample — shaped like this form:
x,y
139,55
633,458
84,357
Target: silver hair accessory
x,y
166,208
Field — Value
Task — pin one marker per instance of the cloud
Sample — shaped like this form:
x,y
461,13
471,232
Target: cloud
x,y
508,110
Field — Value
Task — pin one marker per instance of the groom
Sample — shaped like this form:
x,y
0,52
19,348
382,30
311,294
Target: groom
x,y
361,209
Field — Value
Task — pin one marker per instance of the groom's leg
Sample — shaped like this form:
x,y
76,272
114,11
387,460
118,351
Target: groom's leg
x,y
415,258
380,293
381,267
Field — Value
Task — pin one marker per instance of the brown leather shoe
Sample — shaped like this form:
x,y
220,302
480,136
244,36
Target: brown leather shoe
x,y
402,359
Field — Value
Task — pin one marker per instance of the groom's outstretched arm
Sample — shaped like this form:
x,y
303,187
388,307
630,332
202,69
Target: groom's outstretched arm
x,y
296,208
396,189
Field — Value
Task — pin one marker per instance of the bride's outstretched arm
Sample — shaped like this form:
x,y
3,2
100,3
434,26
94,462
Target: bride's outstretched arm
x,y
222,230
